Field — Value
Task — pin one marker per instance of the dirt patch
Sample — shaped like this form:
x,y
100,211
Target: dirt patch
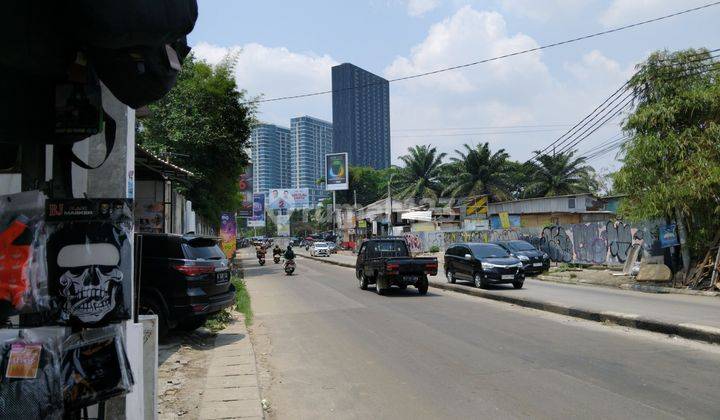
x,y
267,374
183,363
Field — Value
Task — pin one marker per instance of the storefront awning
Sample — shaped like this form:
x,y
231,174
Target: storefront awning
x,y
423,216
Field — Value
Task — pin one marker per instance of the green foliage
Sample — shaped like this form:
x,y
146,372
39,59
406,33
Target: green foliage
x,y
420,177
434,248
203,125
242,299
370,185
478,171
560,174
671,164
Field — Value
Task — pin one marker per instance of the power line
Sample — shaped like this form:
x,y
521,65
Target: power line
x,y
488,127
571,135
500,57
483,133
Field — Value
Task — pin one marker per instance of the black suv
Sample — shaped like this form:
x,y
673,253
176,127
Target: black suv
x,y
534,261
483,264
183,280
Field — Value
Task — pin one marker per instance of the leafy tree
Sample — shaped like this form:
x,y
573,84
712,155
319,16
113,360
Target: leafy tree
x,y
559,174
671,164
203,125
368,183
478,171
420,177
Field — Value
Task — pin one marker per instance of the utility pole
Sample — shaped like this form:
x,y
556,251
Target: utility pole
x,y
390,201
333,214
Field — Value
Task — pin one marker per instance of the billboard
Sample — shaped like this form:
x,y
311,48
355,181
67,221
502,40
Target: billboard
x,y
283,225
258,211
228,233
337,172
288,198
245,185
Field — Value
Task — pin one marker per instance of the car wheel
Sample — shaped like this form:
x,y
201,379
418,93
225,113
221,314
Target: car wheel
x,y
518,284
150,306
479,282
422,286
362,280
380,291
450,276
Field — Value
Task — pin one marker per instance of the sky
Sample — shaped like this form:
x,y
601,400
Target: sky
x,y
520,104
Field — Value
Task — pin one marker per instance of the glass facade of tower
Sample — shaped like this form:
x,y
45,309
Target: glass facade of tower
x,y
361,116
270,157
310,140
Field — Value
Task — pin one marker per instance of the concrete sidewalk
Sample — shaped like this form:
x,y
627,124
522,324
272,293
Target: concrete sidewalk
x,y
231,386
695,317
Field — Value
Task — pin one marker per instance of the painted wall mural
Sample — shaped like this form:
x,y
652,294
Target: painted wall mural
x,y
591,243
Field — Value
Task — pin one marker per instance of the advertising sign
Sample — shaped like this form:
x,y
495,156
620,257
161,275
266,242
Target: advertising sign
x,y
258,211
228,233
505,220
337,173
668,236
283,225
289,198
245,185
477,207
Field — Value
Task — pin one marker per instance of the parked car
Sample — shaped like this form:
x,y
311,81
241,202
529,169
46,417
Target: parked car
x,y
183,280
333,247
534,261
319,249
483,264
387,262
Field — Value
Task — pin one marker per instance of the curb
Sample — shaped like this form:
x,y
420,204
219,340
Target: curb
x,y
660,289
685,330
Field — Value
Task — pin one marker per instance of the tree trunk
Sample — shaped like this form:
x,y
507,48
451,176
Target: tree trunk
x,y
682,235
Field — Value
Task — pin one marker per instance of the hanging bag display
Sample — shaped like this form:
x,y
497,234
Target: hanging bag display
x,y
89,255
30,381
94,367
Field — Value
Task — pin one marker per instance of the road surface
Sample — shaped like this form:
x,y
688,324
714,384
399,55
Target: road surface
x,y
336,351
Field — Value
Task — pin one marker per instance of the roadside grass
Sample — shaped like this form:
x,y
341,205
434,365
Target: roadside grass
x,y
223,318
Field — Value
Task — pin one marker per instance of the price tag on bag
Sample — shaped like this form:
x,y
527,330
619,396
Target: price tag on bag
x,y
23,361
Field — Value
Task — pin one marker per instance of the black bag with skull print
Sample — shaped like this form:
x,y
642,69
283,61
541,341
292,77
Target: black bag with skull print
x,y
89,255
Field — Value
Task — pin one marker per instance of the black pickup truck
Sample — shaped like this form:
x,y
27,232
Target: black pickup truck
x,y
387,262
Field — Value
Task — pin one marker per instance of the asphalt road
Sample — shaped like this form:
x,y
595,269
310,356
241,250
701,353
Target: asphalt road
x,y
336,351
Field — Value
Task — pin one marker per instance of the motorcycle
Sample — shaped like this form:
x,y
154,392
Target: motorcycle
x,y
261,259
276,259
289,267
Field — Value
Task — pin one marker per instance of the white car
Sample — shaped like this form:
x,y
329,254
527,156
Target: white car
x,y
320,249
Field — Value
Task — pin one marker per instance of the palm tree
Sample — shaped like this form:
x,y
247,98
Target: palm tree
x,y
478,171
559,174
419,178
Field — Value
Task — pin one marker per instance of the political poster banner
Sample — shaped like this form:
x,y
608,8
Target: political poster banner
x,y
288,198
283,225
258,211
337,172
668,236
245,185
228,233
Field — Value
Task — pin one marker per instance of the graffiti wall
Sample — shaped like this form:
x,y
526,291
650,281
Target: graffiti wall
x,y
592,243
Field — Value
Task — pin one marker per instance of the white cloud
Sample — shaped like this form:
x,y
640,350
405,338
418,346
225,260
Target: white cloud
x,y
420,7
544,10
621,12
277,71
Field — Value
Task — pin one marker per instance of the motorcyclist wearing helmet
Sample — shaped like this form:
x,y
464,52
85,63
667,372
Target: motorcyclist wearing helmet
x,y
289,254
277,250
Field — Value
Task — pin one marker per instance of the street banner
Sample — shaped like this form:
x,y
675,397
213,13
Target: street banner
x,y
289,199
245,185
505,220
228,233
477,207
337,173
668,236
283,225
258,211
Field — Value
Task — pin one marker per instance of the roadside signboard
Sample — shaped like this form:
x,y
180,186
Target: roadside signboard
x,y
477,207
228,233
289,198
245,185
668,236
505,220
337,172
283,225
258,211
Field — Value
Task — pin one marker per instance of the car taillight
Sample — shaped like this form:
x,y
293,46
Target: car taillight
x,y
194,270
431,266
393,267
